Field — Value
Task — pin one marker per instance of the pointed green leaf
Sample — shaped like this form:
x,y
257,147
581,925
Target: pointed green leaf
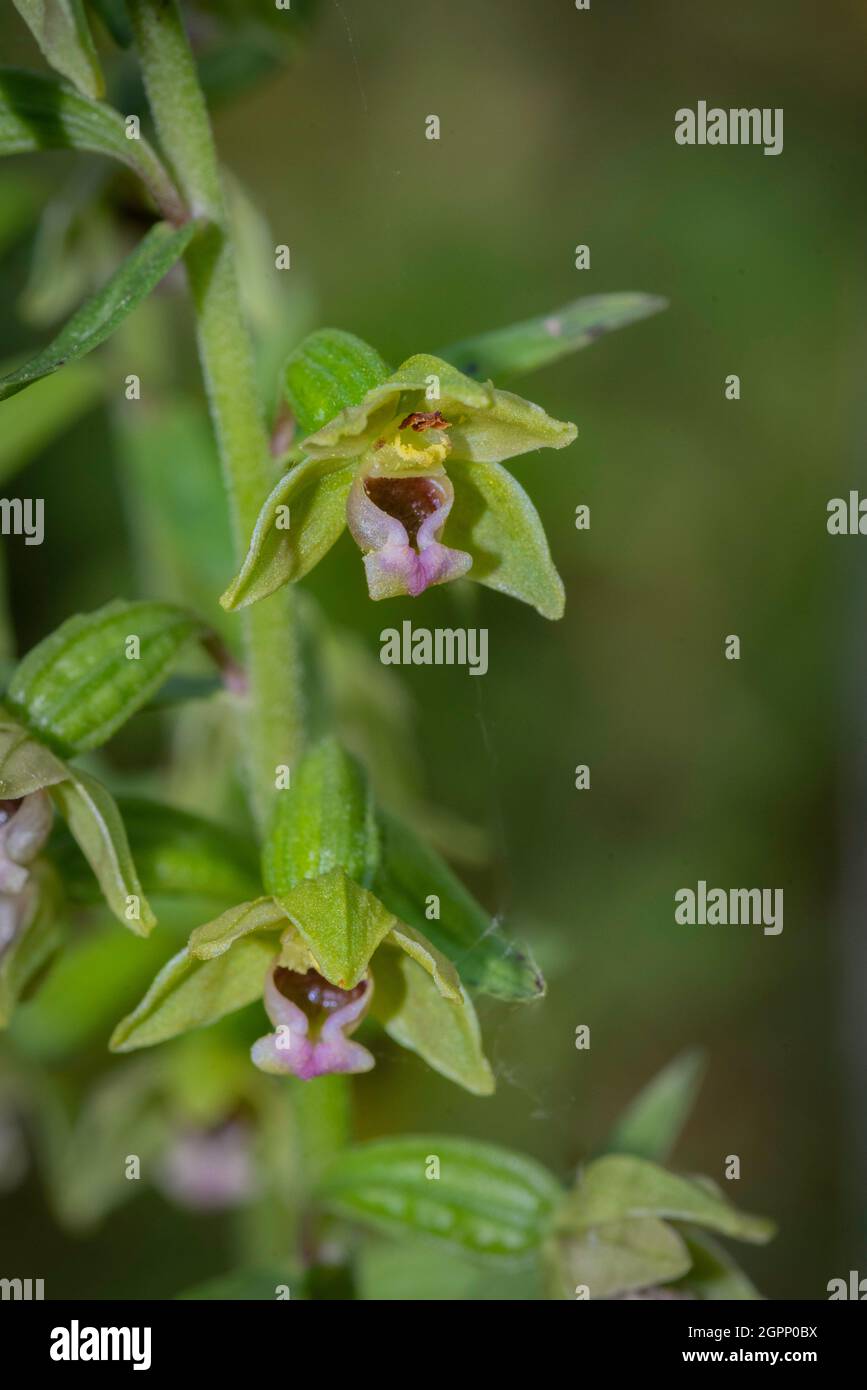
x,y
525,347
177,855
340,922
618,1188
494,520
79,684
327,372
620,1257
191,993
323,821
486,1200
215,938
443,1032
91,813
41,113
649,1128
36,940
100,316
714,1275
409,873
298,524
26,765
60,28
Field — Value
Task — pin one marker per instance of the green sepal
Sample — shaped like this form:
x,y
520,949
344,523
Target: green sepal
x,y
192,993
215,938
487,1200
414,1011
77,686
329,371
410,873
619,1188
494,520
60,28
325,820
713,1274
95,823
24,960
315,492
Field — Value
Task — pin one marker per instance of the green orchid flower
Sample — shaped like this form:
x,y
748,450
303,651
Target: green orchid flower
x,y
411,463
321,949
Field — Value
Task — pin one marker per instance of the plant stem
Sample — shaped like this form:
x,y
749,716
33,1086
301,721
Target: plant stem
x,y
274,726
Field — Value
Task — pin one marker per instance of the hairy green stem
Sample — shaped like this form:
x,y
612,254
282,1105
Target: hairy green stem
x,y
274,724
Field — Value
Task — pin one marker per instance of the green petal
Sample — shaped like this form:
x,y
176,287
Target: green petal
x,y
621,1257
351,432
315,491
340,922
419,949
443,1032
191,993
495,521
91,813
618,1187
25,764
214,938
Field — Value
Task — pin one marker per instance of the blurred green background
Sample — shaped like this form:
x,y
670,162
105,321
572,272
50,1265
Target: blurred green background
x,y
707,518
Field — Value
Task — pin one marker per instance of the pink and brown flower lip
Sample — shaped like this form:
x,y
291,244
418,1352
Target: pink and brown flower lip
x,y
313,1019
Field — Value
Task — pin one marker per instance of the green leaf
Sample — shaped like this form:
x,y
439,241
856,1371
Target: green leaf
x,y
618,1188
286,544
525,347
91,813
191,993
409,873
486,1200
100,316
494,520
714,1275
41,113
177,855
443,1031
24,959
25,764
215,938
60,28
649,1128
324,821
620,1257
329,371
340,923
78,685
50,407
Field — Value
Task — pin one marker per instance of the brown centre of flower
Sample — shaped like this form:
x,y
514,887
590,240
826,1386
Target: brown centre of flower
x,y
409,500
312,993
419,420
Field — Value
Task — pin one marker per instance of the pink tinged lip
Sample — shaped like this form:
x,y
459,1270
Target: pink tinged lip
x,y
312,1027
24,827
396,521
